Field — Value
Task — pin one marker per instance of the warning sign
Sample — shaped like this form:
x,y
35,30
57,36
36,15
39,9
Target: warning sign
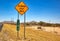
x,y
21,8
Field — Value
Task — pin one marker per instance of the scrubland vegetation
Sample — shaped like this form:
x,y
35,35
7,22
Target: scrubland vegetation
x,y
9,33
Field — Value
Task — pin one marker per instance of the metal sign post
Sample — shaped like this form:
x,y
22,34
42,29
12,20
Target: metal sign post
x,y
24,25
18,27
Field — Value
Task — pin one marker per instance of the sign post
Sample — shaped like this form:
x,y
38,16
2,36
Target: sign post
x,y
21,8
18,27
24,25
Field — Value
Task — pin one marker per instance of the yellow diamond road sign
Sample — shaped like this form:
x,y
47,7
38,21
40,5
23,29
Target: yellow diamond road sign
x,y
21,8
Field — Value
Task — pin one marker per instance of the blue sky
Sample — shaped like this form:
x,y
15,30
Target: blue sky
x,y
39,10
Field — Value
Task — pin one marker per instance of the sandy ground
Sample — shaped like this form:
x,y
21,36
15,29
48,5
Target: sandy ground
x,y
55,30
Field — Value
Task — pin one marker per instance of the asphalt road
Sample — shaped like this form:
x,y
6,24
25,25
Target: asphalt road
x,y
1,25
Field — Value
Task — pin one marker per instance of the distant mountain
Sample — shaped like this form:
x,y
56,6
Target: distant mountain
x,y
41,23
9,22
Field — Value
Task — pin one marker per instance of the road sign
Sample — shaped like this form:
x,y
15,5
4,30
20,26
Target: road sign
x,y
18,25
21,8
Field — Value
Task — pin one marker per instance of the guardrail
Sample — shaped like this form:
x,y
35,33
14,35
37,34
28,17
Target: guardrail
x,y
1,25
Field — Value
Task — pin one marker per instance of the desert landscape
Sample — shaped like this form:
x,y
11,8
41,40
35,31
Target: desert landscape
x,y
29,20
33,33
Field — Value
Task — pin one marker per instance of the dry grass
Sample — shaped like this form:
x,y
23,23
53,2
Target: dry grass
x,y
9,34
